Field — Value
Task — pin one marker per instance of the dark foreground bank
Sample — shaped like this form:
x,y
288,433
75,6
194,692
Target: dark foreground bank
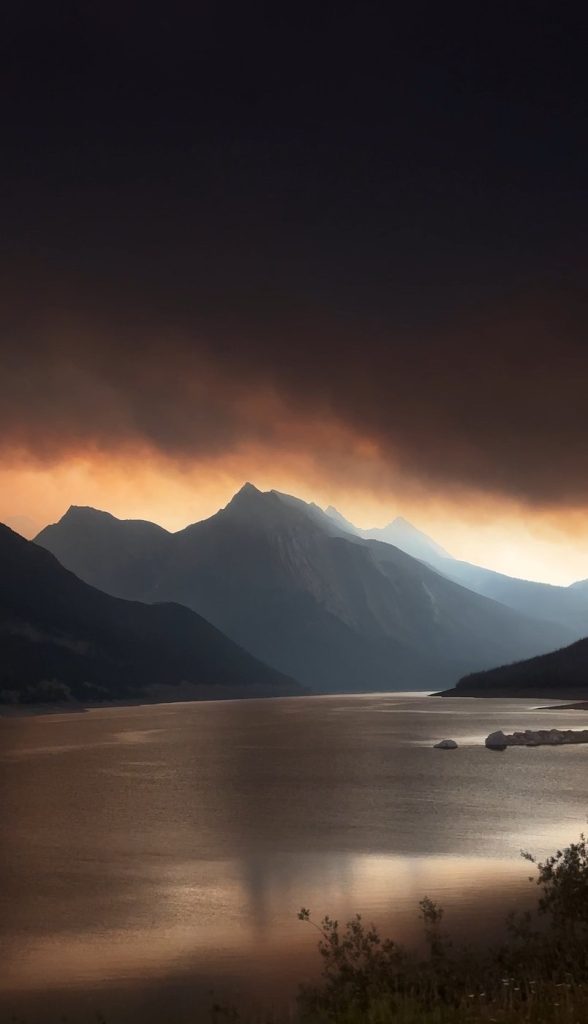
x,y
561,674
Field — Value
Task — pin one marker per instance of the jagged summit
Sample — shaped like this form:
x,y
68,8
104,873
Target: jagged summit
x,y
405,535
248,489
108,551
273,509
247,494
248,502
80,515
84,512
399,532
341,521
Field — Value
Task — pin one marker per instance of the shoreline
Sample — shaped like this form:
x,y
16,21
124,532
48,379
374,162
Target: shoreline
x,y
581,705
10,711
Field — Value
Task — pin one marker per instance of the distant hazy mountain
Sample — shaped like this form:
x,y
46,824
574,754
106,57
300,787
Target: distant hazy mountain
x,y
287,582
342,522
562,673
399,532
60,635
565,605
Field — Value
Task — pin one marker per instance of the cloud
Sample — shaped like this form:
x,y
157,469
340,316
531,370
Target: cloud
x,y
493,401
375,266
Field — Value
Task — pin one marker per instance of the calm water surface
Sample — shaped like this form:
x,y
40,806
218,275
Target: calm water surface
x,y
150,855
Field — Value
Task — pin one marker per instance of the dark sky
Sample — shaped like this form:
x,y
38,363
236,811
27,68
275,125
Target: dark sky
x,y
377,214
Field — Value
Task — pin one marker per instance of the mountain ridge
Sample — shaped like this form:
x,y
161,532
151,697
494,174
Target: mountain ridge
x,y
61,635
399,532
567,606
336,612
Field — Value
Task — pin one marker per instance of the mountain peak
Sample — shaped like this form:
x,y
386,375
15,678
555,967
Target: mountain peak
x,y
341,521
404,535
249,503
84,512
248,488
247,496
277,511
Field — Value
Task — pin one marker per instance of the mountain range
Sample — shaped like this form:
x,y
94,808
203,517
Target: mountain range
x,y
400,533
61,638
304,592
565,605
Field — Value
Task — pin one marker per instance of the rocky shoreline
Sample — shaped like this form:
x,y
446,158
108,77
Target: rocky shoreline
x,y
536,738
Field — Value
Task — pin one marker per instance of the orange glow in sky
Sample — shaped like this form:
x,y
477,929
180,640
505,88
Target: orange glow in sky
x,y
535,543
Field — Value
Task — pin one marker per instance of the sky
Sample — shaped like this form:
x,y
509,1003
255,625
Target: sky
x,y
338,251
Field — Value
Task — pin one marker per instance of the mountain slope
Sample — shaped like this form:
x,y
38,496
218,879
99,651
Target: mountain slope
x,y
54,627
405,536
118,556
342,522
567,606
562,673
336,611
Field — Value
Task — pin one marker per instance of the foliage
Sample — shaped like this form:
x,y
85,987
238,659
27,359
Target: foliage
x,y
559,673
539,974
564,882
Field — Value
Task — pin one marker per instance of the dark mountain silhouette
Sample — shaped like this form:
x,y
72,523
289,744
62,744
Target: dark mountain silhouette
x,y
286,582
565,605
119,556
60,636
562,673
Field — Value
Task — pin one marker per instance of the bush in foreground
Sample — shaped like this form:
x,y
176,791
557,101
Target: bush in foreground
x,y
538,974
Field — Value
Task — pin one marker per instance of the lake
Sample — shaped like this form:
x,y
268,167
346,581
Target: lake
x,y
153,855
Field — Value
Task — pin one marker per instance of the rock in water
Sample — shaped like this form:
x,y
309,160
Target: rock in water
x,y
497,740
446,745
535,738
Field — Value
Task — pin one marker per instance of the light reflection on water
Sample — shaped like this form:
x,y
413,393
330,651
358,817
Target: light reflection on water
x,y
176,843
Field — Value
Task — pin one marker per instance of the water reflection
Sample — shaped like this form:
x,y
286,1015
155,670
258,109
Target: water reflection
x,y
221,913
172,846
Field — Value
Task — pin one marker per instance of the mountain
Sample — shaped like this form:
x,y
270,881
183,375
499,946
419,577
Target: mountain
x,y
562,673
342,522
567,606
289,584
60,637
399,532
405,536
118,556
